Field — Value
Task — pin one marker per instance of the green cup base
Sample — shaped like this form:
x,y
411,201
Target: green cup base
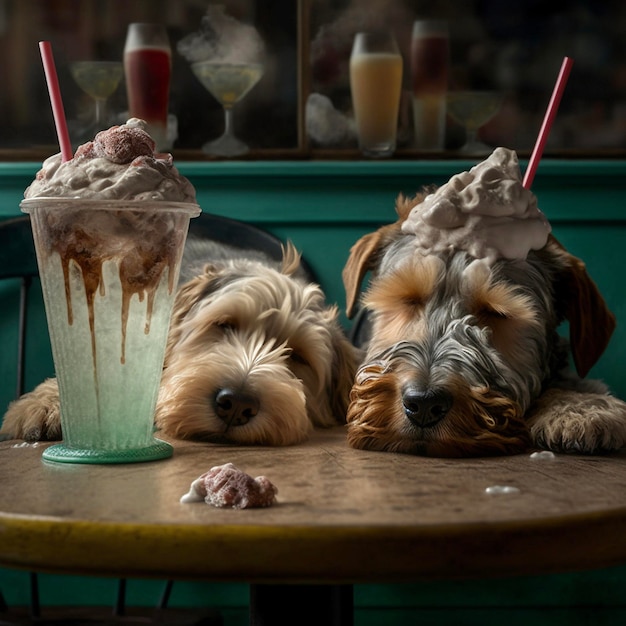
x,y
62,453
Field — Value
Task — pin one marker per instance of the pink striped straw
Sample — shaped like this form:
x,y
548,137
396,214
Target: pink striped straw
x,y
55,99
548,119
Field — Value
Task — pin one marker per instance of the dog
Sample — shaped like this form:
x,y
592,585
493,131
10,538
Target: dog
x,y
254,356
465,360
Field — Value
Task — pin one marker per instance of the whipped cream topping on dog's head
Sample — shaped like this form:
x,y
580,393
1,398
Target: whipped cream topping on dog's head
x,y
486,212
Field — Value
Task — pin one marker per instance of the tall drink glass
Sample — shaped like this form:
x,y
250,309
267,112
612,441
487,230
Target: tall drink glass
x,y
376,85
108,272
148,68
430,59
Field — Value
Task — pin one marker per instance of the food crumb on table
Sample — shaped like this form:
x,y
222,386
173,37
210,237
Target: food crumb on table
x,y
227,486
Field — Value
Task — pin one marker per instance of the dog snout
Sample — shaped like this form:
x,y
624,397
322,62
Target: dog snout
x,y
236,407
425,407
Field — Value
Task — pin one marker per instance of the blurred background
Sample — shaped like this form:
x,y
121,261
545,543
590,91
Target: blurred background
x,y
515,49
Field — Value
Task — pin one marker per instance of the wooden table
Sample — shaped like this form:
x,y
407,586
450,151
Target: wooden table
x,y
343,516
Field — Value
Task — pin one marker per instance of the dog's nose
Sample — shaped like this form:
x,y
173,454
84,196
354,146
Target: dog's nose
x,y
235,407
425,408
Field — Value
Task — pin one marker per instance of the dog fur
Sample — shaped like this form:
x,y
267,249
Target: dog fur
x,y
254,356
463,359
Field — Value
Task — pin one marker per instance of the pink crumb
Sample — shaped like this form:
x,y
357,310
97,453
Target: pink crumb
x,y
227,486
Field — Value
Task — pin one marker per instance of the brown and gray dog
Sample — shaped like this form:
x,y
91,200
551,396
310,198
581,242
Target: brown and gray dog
x,y
464,363
254,356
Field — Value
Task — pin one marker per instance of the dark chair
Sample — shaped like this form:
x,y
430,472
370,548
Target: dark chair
x,y
242,235
18,261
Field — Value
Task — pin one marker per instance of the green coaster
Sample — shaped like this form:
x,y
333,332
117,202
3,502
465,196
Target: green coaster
x,y
66,454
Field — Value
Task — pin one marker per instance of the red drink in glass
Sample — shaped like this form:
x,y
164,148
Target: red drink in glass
x,y
148,67
430,58
429,65
148,74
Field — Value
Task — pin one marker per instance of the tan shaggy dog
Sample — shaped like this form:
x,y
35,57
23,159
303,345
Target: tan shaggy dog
x,y
254,356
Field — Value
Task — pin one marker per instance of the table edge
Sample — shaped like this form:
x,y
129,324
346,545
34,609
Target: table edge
x,y
320,554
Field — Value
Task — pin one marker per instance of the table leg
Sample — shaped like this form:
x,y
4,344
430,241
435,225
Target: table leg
x,y
308,605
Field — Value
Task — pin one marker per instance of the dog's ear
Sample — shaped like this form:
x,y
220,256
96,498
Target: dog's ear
x,y
366,252
187,296
291,259
591,322
363,257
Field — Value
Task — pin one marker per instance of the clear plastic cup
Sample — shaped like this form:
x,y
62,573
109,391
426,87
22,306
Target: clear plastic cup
x,y
109,270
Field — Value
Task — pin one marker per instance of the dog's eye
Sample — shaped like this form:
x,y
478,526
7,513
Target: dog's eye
x,y
488,315
414,302
225,325
296,357
492,313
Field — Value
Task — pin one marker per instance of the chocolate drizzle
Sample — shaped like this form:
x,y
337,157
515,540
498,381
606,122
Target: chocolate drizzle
x,y
141,243
140,274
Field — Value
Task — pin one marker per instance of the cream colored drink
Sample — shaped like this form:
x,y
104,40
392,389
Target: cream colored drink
x,y
376,83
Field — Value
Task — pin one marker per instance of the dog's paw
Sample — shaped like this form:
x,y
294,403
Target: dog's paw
x,y
569,421
34,416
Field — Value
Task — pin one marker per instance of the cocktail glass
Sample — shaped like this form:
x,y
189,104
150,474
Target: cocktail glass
x,y
229,83
98,79
473,109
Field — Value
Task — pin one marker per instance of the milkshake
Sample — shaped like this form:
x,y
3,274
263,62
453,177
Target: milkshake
x,y
109,227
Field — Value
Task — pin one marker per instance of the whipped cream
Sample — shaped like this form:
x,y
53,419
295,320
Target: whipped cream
x,y
119,164
486,212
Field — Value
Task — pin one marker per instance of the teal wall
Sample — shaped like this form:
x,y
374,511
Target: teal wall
x,y
324,207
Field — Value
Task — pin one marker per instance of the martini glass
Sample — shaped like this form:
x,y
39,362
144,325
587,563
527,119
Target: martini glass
x,y
98,79
228,83
473,109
